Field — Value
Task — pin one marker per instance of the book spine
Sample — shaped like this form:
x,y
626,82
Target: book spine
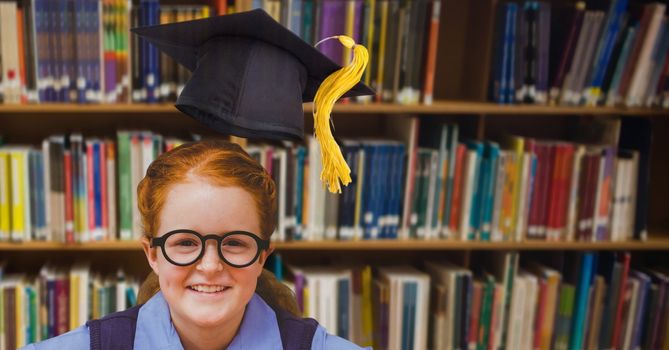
x,y
507,69
18,225
472,337
112,203
581,219
43,229
540,313
528,92
412,159
98,187
452,162
543,52
394,215
604,206
124,184
62,305
69,200
384,7
457,188
552,196
497,72
22,34
580,302
546,190
32,191
527,161
590,196
350,17
104,190
496,222
90,186
476,183
618,319
641,309
332,23
5,197
431,57
299,196
490,174
565,194
466,314
533,223
397,188
469,182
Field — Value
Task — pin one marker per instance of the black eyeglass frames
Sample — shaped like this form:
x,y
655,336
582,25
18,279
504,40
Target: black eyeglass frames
x,y
184,247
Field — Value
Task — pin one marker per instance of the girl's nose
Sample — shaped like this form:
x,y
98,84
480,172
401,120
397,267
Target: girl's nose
x,y
210,262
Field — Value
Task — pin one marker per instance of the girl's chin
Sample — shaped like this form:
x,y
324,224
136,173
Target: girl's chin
x,y
208,315
207,321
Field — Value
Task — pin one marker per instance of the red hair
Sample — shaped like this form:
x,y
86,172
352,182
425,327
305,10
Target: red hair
x,y
222,163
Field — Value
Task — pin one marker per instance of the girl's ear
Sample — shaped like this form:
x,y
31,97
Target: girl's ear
x,y
151,254
264,255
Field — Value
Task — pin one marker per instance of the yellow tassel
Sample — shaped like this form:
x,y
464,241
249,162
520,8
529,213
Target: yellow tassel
x,y
331,89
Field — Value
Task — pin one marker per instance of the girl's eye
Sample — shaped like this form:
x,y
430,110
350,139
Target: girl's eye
x,y
233,243
186,244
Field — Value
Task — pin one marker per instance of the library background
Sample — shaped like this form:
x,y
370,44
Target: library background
x,y
509,174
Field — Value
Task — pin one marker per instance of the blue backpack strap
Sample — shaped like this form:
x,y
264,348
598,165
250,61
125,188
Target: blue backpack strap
x,y
296,333
115,331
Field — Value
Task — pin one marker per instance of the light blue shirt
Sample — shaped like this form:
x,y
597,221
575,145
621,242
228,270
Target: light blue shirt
x,y
155,330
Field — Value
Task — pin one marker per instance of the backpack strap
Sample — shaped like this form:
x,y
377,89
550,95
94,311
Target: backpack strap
x,y
296,333
115,331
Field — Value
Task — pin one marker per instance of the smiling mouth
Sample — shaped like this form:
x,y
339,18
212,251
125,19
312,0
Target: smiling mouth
x,y
208,289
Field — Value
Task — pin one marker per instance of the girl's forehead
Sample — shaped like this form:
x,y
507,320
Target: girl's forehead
x,y
204,207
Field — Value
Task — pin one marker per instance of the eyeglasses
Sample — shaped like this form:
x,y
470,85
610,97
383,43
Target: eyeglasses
x,y
184,247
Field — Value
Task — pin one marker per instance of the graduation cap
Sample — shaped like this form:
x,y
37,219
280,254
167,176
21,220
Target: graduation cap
x,y
250,76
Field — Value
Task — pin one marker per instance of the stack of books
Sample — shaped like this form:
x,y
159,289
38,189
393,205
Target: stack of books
x,y
57,300
82,51
612,53
438,186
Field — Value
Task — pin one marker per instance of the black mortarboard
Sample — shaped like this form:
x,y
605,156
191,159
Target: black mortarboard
x,y
250,73
251,76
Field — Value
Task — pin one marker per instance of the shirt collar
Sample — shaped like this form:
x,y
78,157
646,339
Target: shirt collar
x,y
259,328
154,330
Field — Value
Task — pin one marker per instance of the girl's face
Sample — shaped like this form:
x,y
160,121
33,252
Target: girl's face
x,y
209,292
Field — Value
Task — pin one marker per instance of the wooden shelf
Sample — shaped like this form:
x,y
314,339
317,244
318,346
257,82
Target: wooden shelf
x,y
659,244
54,246
392,245
439,107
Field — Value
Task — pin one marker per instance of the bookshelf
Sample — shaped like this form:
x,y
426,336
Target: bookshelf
x,y
444,107
461,86
657,242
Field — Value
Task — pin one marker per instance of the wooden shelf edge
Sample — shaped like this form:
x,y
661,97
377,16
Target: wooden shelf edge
x,y
55,108
55,246
658,244
425,245
438,107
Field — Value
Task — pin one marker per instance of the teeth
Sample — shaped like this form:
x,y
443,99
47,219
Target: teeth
x,y
207,289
